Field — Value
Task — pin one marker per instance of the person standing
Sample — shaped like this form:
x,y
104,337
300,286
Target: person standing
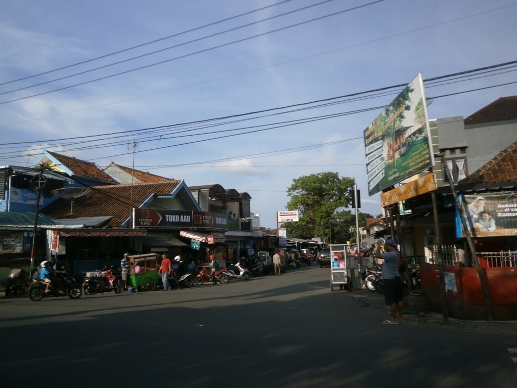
x,y
394,292
165,272
461,259
277,263
213,268
124,266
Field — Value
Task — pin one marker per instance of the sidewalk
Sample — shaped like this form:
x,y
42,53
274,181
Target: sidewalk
x,y
416,313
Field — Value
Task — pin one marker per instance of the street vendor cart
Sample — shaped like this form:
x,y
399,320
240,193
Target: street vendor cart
x,y
144,271
339,275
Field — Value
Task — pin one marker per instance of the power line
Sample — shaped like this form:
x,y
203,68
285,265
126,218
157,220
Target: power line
x,y
175,58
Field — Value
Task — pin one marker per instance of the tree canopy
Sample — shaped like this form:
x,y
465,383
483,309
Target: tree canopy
x,y
321,200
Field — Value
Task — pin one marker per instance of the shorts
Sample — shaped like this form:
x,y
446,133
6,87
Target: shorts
x,y
124,276
393,290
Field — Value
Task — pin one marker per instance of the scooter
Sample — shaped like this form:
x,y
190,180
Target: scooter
x,y
373,279
70,288
237,271
107,283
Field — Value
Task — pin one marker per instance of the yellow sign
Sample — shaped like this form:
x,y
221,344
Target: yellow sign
x,y
412,189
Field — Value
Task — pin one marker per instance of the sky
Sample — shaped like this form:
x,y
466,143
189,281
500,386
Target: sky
x,y
246,94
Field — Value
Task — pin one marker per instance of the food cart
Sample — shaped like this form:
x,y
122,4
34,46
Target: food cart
x,y
144,271
339,266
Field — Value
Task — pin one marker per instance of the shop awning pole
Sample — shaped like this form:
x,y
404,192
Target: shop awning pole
x,y
439,257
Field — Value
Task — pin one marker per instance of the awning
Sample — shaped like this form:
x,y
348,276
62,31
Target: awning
x,y
203,237
162,240
102,232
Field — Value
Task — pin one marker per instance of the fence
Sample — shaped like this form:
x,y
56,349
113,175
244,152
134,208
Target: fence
x,y
487,259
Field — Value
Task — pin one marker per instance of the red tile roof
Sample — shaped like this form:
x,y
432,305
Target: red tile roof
x,y
502,109
82,168
142,176
112,200
501,168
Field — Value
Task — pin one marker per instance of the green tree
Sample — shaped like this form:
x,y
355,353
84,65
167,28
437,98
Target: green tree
x,y
317,197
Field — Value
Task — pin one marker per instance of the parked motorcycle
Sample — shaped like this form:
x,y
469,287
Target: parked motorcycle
x,y
237,271
106,283
205,276
373,279
69,287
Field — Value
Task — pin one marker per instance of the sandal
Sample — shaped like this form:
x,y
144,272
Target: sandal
x,y
388,322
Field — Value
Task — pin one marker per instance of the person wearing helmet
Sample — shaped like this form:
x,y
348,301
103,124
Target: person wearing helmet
x,y
213,268
48,275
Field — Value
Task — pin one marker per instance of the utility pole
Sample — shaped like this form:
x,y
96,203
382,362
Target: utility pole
x,y
38,183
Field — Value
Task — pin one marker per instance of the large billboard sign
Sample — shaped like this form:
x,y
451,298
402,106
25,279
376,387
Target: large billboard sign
x,y
287,216
398,143
489,215
153,218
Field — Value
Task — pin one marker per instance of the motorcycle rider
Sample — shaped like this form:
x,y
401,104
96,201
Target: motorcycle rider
x,y
48,275
213,268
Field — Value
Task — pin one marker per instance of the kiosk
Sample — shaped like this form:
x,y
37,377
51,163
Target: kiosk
x,y
338,266
144,271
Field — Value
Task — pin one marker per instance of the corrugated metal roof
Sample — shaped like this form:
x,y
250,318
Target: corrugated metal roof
x,y
23,220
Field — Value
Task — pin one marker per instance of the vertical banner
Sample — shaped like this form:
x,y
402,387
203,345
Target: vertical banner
x,y
398,143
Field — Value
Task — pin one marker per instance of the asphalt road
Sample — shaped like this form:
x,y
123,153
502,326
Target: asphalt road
x,y
275,331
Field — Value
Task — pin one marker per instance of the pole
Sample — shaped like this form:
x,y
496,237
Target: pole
x,y
439,258
359,260
39,183
472,249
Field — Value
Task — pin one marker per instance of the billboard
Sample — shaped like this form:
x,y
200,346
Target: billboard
x,y
398,142
287,216
489,215
150,218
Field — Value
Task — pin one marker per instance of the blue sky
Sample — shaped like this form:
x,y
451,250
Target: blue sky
x,y
208,63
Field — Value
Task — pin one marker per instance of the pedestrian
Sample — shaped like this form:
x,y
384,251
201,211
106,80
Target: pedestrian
x,y
394,292
277,262
124,266
213,268
352,267
461,258
165,271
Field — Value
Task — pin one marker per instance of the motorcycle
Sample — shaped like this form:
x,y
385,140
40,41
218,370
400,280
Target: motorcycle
x,y
69,287
373,279
106,283
237,271
204,276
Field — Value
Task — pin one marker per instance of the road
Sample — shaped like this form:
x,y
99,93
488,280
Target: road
x,y
275,331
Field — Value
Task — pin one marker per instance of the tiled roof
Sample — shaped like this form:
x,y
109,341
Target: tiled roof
x,y
82,168
113,200
374,221
501,168
141,176
502,109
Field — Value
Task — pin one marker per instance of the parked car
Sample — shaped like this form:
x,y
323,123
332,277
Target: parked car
x,y
324,258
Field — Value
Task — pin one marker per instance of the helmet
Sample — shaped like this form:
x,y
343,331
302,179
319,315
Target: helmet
x,y
43,264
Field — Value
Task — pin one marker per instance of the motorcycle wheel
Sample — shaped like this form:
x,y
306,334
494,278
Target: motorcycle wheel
x,y
223,279
175,285
200,280
189,282
369,283
246,276
35,294
379,286
147,284
116,288
89,289
75,291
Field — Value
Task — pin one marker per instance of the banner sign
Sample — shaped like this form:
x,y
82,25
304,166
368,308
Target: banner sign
x,y
489,215
287,216
152,218
398,143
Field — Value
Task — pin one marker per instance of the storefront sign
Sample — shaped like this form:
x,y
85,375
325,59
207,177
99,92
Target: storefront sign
x,y
412,189
151,218
287,216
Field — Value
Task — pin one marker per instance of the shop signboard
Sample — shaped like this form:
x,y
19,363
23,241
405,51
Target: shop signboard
x,y
398,142
489,214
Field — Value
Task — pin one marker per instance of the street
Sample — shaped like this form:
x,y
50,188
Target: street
x,y
275,331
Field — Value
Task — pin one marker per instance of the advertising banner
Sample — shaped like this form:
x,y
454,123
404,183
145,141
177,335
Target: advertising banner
x,y
287,216
489,215
398,143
